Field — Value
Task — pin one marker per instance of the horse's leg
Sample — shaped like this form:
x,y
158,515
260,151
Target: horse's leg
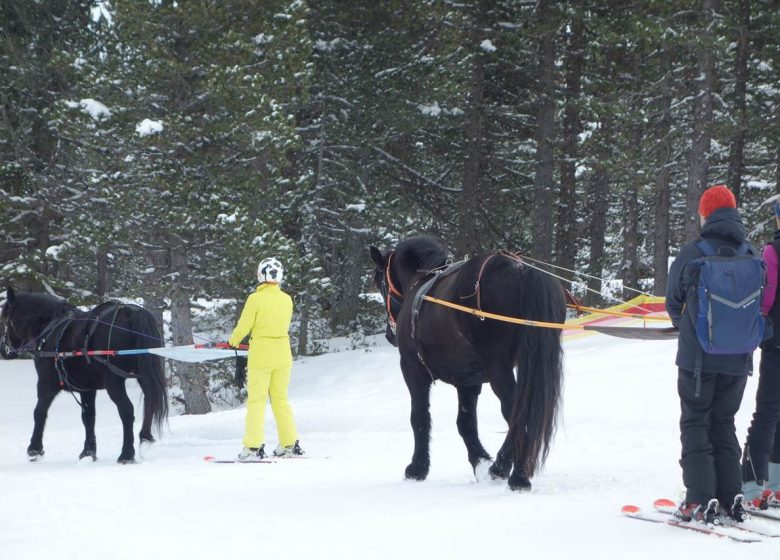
x,y
145,436
88,418
46,394
503,386
518,480
115,386
467,424
419,384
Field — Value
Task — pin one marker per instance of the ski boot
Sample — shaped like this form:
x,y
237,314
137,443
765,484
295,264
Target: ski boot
x,y
737,511
709,515
686,511
249,454
289,450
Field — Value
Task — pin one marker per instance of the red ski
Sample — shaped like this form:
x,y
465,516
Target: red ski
x,y
636,512
749,525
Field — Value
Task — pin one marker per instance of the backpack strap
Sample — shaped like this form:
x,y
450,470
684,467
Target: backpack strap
x,y
706,248
709,251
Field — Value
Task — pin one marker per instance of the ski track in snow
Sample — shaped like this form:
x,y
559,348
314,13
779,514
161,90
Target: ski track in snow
x,y
617,443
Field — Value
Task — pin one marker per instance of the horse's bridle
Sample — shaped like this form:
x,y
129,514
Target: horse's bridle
x,y
390,294
8,351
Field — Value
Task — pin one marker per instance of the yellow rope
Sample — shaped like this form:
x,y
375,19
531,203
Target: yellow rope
x,y
504,318
531,323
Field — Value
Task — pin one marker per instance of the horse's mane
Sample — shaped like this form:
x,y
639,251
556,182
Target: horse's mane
x,y
40,305
424,252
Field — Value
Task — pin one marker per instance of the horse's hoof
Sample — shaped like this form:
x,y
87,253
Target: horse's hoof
x,y
498,472
482,470
123,460
519,483
88,453
34,455
146,438
413,472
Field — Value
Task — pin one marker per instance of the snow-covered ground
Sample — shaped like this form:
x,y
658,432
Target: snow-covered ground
x,y
617,443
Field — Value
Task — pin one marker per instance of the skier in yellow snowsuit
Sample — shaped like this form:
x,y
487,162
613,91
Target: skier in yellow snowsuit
x,y
266,318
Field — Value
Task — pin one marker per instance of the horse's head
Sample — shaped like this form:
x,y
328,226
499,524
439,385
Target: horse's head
x,y
25,317
397,270
8,343
383,281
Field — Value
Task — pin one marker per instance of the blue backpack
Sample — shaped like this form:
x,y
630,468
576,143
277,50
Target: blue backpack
x,y
729,319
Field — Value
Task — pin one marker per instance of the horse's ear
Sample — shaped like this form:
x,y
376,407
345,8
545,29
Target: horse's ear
x,y
9,294
377,257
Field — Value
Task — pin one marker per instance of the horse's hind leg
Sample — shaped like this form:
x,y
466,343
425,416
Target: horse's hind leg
x,y
419,384
467,424
145,436
88,418
503,386
115,386
46,394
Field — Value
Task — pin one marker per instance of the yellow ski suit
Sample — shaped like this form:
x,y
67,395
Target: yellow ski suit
x,y
266,318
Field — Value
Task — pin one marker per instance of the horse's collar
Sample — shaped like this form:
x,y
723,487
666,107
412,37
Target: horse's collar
x,y
422,291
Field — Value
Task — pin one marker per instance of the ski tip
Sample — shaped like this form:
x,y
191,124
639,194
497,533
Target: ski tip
x,y
630,509
664,503
209,458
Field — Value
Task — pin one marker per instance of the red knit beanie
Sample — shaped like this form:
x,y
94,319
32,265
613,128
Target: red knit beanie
x,y
715,198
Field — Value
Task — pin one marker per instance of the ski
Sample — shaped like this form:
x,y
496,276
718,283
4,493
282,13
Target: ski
x,y
749,525
212,459
636,512
268,459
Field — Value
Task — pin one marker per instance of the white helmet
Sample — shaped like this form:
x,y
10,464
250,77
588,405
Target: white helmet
x,y
270,270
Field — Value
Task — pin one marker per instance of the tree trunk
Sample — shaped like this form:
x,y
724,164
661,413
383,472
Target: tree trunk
x,y
630,266
192,379
103,280
303,329
662,202
737,150
566,238
470,200
698,167
543,177
598,203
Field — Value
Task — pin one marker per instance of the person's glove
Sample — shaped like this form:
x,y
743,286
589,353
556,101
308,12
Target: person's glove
x,y
240,376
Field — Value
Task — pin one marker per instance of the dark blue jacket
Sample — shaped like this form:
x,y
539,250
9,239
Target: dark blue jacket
x,y
723,228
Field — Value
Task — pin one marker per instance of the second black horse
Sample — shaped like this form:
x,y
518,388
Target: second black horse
x,y
436,342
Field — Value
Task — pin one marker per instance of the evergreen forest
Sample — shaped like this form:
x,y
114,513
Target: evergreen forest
x,y
159,149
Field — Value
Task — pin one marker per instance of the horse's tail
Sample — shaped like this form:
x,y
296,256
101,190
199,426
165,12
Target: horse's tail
x,y
150,368
539,360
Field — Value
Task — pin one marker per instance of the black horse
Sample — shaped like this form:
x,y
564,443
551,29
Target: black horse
x,y
436,342
48,327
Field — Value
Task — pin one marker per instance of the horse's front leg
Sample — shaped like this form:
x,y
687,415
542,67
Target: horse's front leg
x,y
46,394
88,418
115,386
419,384
467,428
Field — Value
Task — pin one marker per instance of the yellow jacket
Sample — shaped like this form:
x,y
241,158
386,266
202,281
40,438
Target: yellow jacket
x,y
266,318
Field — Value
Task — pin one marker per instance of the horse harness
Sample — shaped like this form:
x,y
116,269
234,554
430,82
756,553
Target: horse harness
x,y
58,327
422,292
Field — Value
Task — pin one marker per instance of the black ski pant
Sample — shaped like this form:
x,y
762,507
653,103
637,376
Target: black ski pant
x,y
763,439
710,449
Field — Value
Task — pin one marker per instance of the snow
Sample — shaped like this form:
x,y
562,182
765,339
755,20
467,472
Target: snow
x,y
431,109
93,108
617,443
487,46
147,127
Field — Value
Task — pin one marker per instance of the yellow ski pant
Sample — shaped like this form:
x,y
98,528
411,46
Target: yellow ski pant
x,y
263,383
